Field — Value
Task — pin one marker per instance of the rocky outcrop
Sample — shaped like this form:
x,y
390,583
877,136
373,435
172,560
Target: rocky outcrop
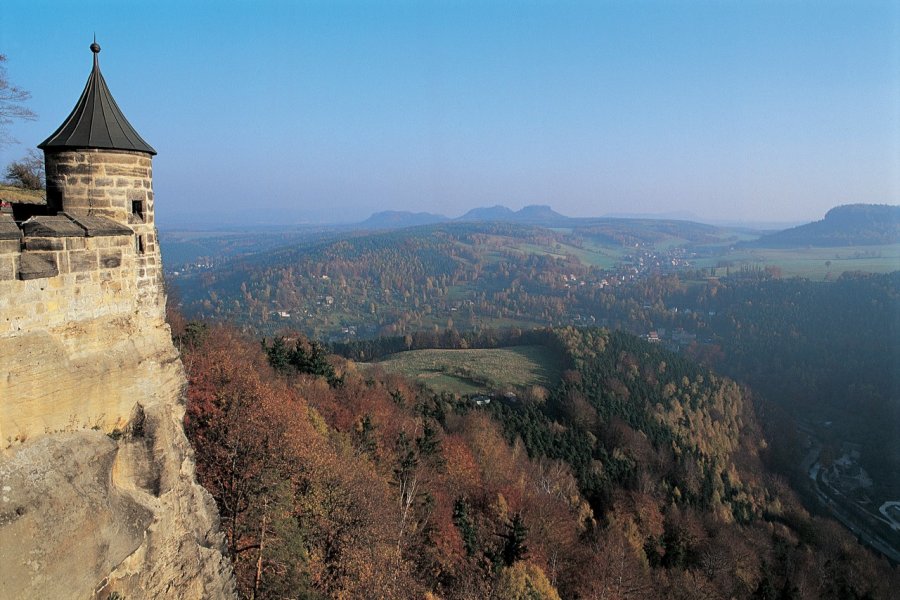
x,y
87,514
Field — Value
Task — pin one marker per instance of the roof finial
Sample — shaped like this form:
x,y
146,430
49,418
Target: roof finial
x,y
95,47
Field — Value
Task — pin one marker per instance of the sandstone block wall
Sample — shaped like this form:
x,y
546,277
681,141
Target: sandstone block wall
x,y
115,184
83,336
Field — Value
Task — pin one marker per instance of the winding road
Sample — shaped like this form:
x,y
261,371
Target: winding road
x,y
812,467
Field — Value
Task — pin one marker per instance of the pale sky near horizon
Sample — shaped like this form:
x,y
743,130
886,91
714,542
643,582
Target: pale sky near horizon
x,y
285,112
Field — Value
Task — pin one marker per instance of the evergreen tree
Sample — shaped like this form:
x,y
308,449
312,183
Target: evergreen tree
x,y
463,522
278,354
513,547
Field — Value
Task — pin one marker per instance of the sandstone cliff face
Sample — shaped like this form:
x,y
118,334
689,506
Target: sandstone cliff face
x,y
97,487
83,515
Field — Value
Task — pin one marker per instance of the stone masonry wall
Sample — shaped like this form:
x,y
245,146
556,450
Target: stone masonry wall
x,y
79,349
82,329
115,184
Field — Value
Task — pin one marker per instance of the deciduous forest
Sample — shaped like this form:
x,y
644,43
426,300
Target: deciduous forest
x,y
640,475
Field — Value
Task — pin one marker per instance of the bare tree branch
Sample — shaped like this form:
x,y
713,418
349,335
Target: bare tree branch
x,y
12,104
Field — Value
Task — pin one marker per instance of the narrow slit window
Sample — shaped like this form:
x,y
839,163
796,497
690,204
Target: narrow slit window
x,y
141,244
137,209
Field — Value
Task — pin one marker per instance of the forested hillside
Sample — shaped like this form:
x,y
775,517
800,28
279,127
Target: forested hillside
x,y
826,352
397,282
640,476
848,225
820,356
475,274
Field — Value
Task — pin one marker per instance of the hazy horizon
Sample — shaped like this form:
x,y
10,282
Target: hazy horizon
x,y
237,221
328,112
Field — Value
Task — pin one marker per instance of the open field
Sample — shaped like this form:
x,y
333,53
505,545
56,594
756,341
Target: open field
x,y
592,255
477,371
813,263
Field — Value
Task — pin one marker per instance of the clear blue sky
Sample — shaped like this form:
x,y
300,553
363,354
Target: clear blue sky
x,y
328,111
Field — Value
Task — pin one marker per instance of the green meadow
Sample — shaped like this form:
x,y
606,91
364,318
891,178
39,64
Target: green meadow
x,y
477,371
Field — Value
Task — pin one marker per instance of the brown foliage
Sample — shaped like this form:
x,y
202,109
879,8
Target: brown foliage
x,y
264,460
332,492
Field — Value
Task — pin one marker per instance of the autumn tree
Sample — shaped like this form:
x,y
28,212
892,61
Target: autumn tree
x,y
629,481
300,510
524,581
238,428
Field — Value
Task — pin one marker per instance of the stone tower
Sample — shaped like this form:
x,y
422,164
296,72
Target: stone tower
x,y
98,165
83,338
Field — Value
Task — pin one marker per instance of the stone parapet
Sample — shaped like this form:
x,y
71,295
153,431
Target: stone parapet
x,y
52,226
8,228
50,246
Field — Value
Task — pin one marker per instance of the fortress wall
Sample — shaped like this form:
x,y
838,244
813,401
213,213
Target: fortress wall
x,y
84,351
83,336
117,184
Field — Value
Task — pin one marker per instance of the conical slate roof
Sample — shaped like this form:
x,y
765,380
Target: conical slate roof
x,y
96,121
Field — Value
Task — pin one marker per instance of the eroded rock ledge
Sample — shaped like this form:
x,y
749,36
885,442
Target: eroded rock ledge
x,y
84,515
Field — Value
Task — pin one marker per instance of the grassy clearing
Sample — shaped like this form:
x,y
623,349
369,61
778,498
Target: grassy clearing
x,y
597,255
603,258
478,371
590,254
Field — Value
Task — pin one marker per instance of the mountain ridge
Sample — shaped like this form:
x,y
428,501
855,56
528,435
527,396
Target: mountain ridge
x,y
397,219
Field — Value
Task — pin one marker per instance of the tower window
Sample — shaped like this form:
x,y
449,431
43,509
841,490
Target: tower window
x,y
140,242
137,210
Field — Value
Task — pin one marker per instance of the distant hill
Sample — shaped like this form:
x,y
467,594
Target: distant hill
x,y
539,213
535,213
492,213
396,219
848,225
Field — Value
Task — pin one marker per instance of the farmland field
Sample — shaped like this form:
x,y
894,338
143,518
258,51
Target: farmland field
x,y
813,263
